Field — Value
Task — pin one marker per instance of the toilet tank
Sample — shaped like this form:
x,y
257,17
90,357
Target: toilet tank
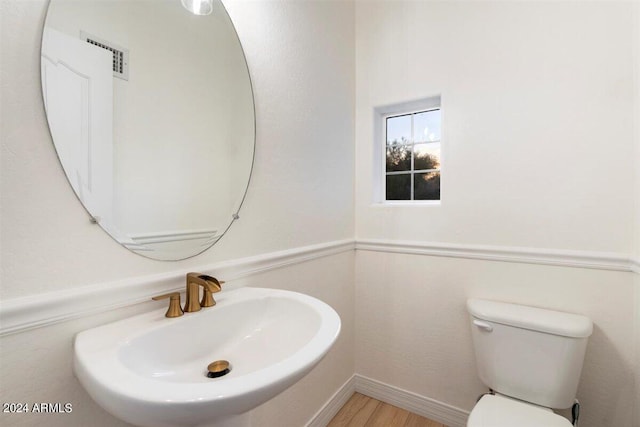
x,y
529,353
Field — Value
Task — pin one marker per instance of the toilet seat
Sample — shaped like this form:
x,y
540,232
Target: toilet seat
x,y
501,411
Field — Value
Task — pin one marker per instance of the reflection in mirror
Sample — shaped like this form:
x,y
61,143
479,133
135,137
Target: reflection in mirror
x,y
151,111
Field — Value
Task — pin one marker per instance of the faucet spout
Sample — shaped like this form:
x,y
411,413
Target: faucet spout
x,y
210,284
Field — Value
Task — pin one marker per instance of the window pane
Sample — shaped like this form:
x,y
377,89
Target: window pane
x,y
398,158
426,126
427,186
399,129
426,156
399,187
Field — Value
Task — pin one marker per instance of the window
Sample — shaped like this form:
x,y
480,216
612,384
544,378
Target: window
x,y
412,155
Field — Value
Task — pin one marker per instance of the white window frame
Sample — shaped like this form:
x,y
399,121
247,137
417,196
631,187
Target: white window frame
x,y
381,114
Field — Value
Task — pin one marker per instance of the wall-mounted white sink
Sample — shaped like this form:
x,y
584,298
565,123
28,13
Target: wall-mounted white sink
x,y
150,370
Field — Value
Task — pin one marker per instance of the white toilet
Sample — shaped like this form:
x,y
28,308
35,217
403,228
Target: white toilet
x,y
531,358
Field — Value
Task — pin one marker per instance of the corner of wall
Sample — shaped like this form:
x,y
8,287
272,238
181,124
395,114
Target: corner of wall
x,y
636,252
636,409
636,107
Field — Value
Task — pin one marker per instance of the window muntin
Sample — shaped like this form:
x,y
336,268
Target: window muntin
x,y
412,155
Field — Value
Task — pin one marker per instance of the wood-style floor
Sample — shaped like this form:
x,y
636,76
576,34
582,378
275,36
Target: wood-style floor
x,y
364,411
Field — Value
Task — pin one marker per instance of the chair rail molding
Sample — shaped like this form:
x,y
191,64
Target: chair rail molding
x,y
555,257
24,313
19,314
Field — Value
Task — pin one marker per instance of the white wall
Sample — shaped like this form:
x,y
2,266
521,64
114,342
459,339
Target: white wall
x,y
302,187
537,151
301,194
537,119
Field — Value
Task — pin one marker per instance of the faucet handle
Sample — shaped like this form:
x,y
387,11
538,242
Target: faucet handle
x,y
212,285
174,304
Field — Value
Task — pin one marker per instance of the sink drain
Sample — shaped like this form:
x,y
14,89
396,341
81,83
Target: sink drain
x,y
218,368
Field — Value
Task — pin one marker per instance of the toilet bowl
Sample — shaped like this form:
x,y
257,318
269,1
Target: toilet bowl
x,y
531,358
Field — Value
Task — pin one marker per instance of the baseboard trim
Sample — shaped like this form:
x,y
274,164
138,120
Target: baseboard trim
x,y
21,314
334,404
555,257
412,402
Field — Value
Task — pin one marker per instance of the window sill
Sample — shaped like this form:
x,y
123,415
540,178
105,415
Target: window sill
x,y
412,203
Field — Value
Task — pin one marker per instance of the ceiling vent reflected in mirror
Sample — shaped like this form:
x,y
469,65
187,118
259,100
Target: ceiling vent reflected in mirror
x,y
120,54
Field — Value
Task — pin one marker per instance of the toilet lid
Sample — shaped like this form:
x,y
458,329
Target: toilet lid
x,y
501,411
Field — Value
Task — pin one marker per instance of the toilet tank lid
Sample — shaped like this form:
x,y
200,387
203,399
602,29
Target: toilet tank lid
x,y
532,318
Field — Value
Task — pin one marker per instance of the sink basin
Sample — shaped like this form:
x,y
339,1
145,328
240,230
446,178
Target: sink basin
x,y
150,370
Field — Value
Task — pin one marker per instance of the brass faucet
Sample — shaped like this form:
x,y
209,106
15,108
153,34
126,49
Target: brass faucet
x,y
210,284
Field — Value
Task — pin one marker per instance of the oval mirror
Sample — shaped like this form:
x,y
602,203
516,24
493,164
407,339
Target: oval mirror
x,y
151,111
